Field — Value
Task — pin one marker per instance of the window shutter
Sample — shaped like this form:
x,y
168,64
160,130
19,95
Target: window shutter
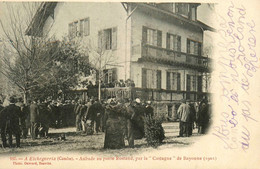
x,y
199,49
159,38
159,77
196,48
144,78
188,46
81,27
178,81
70,29
178,43
100,40
188,83
114,74
199,84
144,35
167,41
114,38
168,81
86,27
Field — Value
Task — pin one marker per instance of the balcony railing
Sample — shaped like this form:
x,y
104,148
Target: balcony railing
x,y
147,94
171,56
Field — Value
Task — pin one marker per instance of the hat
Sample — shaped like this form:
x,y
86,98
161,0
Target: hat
x,y
137,100
12,99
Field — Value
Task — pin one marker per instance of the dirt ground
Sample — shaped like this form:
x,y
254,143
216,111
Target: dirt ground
x,y
77,142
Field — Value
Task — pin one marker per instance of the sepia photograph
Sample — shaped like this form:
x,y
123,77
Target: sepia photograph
x,y
116,80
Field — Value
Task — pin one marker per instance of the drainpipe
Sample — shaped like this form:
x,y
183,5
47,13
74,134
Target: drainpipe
x,y
126,39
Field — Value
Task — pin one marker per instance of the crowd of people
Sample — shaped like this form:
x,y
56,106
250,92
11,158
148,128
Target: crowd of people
x,y
34,118
119,119
192,115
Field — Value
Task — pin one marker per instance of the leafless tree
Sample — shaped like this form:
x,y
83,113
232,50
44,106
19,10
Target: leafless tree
x,y
101,56
25,58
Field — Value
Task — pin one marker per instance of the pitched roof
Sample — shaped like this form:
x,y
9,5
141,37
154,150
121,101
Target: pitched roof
x,y
45,10
153,9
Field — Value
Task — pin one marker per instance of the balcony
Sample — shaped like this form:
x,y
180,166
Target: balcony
x,y
147,94
171,57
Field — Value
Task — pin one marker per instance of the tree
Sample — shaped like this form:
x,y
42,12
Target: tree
x,y
101,56
36,63
63,75
25,57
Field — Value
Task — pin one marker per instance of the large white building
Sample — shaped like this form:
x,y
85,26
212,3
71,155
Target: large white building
x,y
157,45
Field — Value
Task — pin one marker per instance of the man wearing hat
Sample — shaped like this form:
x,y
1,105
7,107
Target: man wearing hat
x,y
149,110
10,116
184,116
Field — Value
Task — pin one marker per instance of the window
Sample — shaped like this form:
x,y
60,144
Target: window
x,y
73,27
191,83
173,80
199,84
152,37
182,9
110,75
193,47
79,28
107,39
151,78
173,42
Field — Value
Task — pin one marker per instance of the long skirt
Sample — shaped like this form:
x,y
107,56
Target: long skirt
x,y
114,134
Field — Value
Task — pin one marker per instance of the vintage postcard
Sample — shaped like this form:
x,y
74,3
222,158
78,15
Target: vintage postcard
x,y
134,84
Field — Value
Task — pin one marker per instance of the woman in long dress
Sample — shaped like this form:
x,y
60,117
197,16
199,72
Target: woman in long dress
x,y
114,133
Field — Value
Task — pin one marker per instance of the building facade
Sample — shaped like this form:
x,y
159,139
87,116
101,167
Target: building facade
x,y
157,45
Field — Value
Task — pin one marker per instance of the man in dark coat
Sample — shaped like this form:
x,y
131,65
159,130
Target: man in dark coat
x,y
78,116
34,119
23,117
149,110
2,121
95,109
192,118
44,119
130,125
10,119
138,119
203,118
99,112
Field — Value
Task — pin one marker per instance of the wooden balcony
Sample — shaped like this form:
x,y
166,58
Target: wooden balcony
x,y
171,57
147,94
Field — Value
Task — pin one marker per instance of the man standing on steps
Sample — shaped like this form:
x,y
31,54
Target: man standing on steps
x,y
184,116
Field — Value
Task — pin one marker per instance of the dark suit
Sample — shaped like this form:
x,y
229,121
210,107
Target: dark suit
x,y
34,118
130,126
10,124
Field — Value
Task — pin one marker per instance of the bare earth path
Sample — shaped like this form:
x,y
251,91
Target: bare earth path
x,y
76,142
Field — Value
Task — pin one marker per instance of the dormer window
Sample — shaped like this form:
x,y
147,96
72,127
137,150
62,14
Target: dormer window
x,y
182,9
186,10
